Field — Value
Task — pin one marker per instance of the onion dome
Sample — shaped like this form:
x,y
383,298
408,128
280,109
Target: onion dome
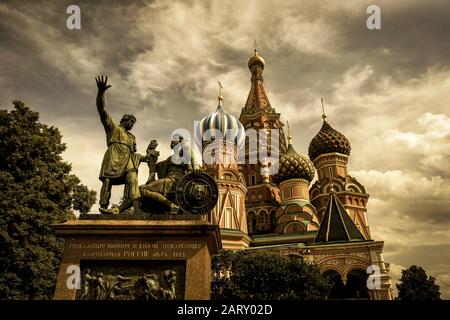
x,y
293,165
220,125
256,59
328,140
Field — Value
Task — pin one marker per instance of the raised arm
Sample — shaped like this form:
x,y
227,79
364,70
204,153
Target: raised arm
x,y
102,86
151,159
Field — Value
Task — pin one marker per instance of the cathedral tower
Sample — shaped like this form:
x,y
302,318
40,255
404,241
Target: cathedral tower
x,y
259,116
222,136
329,150
296,213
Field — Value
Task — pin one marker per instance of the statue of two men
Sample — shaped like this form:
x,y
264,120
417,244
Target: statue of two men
x,y
121,162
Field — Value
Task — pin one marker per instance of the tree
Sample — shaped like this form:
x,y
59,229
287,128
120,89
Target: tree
x,y
36,190
267,276
416,285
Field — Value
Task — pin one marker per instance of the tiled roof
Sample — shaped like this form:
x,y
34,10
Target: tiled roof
x,y
328,140
336,225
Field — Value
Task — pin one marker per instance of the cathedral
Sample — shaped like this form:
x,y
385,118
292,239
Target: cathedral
x,y
324,222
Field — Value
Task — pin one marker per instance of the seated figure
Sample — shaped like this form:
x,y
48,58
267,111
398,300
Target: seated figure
x,y
158,193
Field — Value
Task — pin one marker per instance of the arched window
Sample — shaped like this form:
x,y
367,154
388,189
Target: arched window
x,y
263,217
251,222
357,284
252,178
273,217
354,288
338,290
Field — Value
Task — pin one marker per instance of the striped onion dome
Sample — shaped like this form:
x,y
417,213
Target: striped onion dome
x,y
328,140
220,125
294,166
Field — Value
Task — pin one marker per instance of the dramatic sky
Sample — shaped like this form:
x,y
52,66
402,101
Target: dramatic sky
x,y
387,90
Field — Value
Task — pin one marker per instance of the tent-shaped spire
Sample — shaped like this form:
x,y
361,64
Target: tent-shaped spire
x,y
257,98
337,226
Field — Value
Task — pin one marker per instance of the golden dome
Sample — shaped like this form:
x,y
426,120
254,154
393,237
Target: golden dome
x,y
256,59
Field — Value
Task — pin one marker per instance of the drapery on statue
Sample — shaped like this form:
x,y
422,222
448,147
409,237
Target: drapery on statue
x,y
120,162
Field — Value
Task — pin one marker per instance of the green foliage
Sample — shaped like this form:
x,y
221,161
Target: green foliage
x,y
82,198
416,285
267,276
36,190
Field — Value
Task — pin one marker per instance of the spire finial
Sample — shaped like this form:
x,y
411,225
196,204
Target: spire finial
x,y
324,116
255,47
289,133
220,98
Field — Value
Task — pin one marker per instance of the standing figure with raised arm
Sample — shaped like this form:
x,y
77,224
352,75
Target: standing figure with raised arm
x,y
120,162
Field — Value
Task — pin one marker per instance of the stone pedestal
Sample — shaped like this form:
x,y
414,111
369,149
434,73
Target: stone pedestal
x,y
136,259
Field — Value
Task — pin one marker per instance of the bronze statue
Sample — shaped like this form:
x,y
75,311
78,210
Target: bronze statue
x,y
120,162
180,184
169,174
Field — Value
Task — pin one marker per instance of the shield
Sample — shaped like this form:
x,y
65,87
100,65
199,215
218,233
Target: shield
x,y
197,193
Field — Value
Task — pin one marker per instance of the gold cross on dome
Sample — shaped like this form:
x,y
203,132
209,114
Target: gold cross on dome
x,y
324,117
220,88
289,132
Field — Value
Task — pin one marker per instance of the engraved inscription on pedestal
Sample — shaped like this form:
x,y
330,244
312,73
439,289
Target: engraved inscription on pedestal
x,y
132,280
131,250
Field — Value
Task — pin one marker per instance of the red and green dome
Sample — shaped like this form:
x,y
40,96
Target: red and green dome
x,y
293,165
